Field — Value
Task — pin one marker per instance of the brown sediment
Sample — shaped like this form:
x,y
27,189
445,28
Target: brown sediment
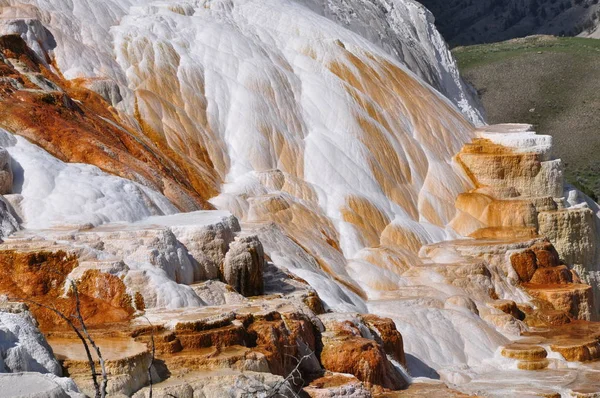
x,y
78,125
366,217
40,277
376,87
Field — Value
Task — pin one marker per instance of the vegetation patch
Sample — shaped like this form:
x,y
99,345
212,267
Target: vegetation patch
x,y
552,83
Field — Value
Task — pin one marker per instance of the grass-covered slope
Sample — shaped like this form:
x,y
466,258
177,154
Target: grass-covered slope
x,y
552,83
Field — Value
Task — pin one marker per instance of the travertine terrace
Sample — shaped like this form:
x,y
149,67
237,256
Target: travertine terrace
x,y
288,197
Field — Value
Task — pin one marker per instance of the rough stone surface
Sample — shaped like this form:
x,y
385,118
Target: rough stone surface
x,y
337,385
244,266
22,347
345,350
36,385
6,174
573,232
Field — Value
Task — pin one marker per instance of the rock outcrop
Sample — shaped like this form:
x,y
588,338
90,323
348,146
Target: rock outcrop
x,y
244,265
279,334
80,126
6,174
348,350
22,347
37,385
518,194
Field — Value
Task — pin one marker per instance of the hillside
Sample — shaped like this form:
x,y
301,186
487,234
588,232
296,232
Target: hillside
x,y
552,83
467,22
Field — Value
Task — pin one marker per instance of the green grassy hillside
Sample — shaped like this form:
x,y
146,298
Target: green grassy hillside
x,y
552,83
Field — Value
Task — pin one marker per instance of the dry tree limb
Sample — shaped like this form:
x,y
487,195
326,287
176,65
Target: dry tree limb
x,y
88,353
290,377
283,384
89,338
153,354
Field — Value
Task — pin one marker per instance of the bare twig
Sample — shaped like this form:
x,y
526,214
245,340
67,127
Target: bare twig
x,y
283,384
291,376
153,353
77,332
90,340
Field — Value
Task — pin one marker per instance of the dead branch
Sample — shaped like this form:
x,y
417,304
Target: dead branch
x,y
153,354
283,384
77,332
90,340
292,376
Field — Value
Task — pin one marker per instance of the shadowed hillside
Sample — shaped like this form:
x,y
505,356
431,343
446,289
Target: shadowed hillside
x,y
466,22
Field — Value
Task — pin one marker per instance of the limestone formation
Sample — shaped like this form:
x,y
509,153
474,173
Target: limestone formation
x,y
217,293
244,266
221,384
346,184
8,222
6,174
573,232
508,307
126,363
334,385
23,348
574,299
347,351
80,126
37,385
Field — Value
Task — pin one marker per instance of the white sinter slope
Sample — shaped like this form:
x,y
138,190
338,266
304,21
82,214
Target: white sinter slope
x,y
315,118
81,41
406,30
48,192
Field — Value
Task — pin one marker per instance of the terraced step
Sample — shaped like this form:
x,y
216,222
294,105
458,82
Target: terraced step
x,y
126,362
210,358
524,352
533,365
578,350
578,341
575,299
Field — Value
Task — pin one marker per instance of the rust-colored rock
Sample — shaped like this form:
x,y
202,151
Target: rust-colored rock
x,y
387,335
91,131
346,350
362,358
524,352
277,338
524,264
313,301
552,275
533,365
41,276
545,316
106,287
554,317
577,350
221,337
504,233
573,299
508,307
546,255
334,385
577,341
